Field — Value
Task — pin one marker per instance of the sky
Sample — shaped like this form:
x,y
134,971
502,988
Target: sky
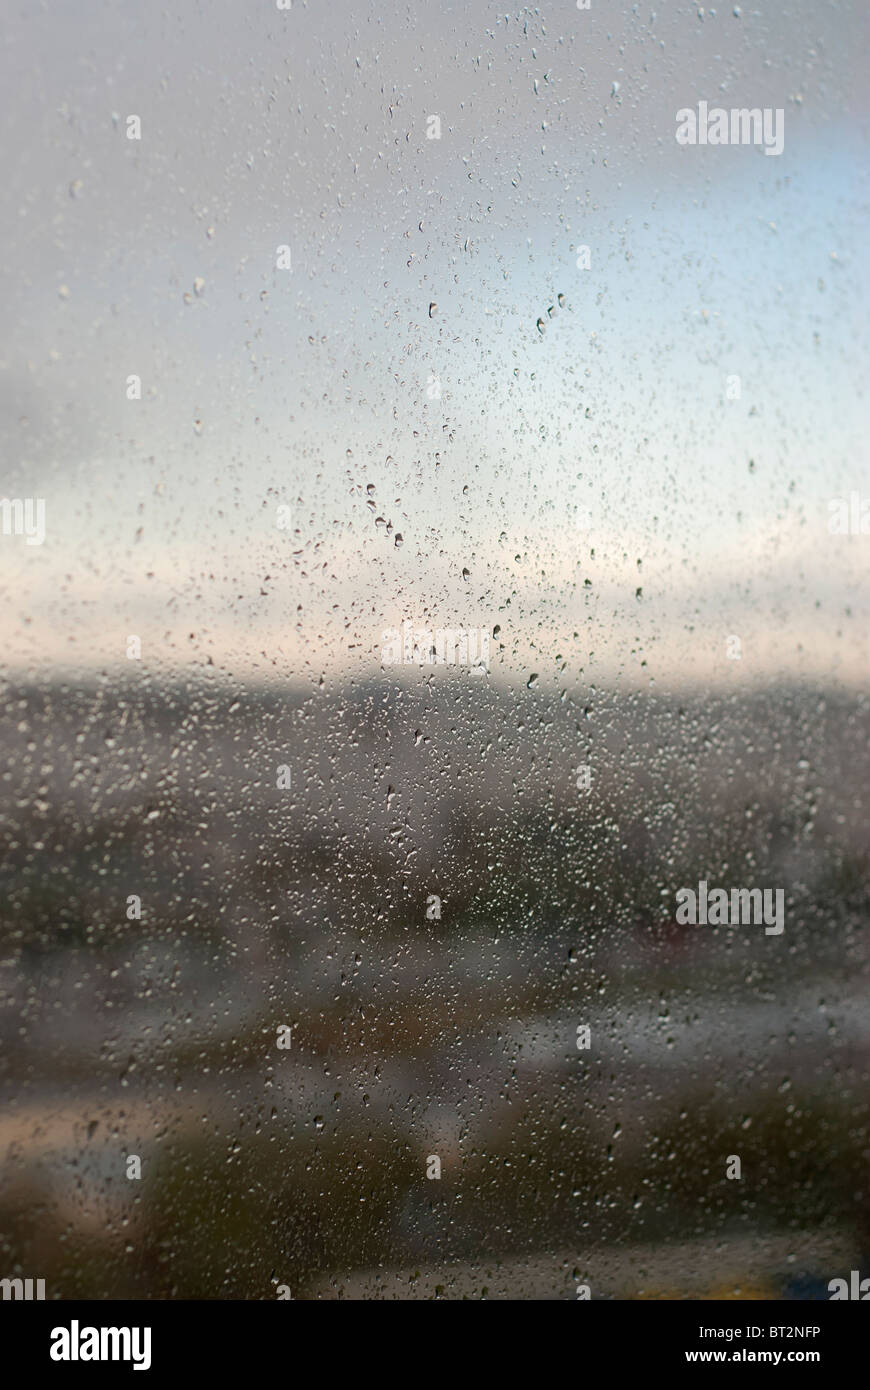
x,y
315,387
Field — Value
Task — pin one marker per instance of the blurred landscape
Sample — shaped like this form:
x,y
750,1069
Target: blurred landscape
x,y
413,1036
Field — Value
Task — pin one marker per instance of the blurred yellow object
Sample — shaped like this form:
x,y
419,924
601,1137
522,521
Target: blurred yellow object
x,y
734,1290
745,1291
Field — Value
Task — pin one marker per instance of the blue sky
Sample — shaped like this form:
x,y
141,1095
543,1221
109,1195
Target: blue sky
x,y
309,388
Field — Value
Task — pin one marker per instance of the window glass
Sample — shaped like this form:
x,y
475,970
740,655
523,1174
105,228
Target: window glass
x,y
434,712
